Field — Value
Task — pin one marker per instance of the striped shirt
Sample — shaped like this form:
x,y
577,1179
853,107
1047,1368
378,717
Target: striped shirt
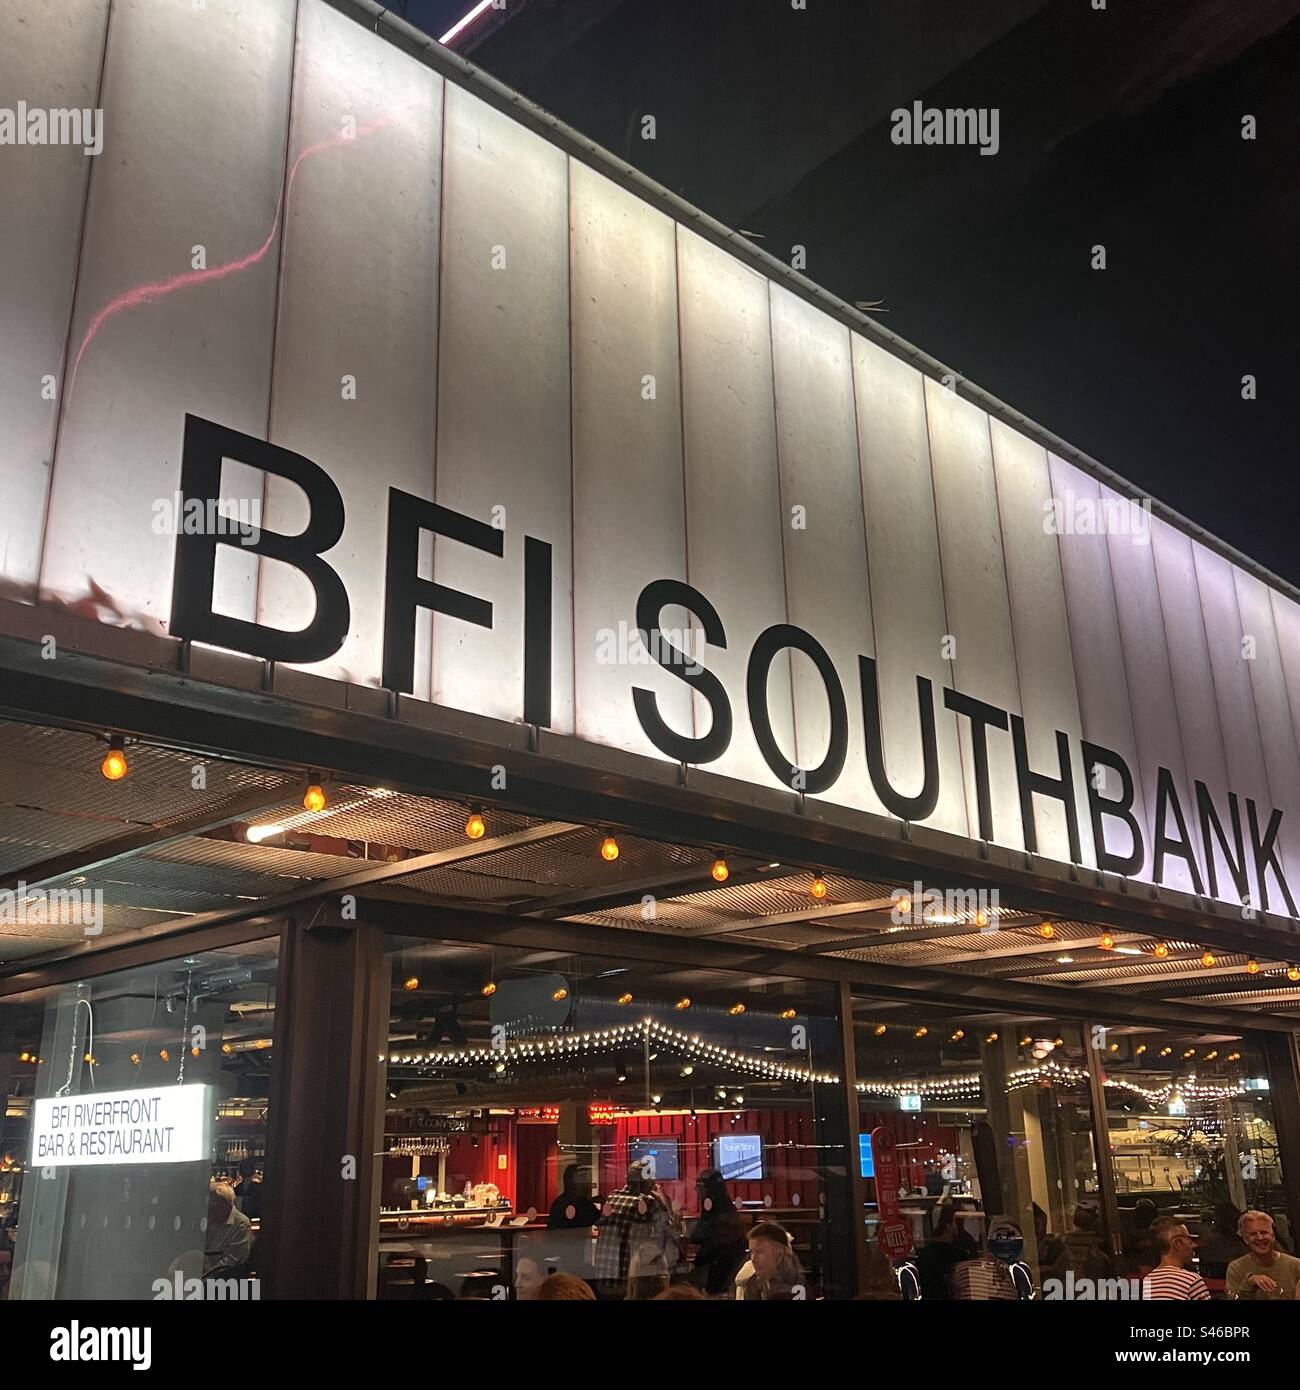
x,y
1170,1282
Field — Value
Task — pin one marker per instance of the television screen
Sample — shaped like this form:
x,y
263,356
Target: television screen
x,y
739,1156
659,1154
865,1159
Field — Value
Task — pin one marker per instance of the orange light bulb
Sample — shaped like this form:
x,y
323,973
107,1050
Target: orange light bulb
x,y
1107,941
488,990
313,799
1207,959
1046,930
609,849
114,765
1160,950
474,826
411,982
719,870
817,888
683,1003
624,998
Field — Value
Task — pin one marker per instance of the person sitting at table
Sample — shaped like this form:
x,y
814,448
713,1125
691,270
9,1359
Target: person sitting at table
x,y
573,1208
773,1273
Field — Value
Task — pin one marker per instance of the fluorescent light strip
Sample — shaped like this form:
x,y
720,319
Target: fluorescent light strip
x,y
467,20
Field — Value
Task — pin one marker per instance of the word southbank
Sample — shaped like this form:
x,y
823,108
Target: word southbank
x,y
1123,850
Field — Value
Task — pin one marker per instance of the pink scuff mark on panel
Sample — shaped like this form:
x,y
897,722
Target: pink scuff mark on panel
x,y
154,290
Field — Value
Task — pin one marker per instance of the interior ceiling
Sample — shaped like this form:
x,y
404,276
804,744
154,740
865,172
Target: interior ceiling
x,y
169,841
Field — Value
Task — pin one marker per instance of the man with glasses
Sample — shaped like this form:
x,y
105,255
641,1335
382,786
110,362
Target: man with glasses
x,y
1171,1278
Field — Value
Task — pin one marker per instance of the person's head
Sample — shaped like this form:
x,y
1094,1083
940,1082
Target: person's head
x,y
1226,1217
945,1221
573,1176
711,1187
1144,1213
770,1248
528,1278
677,1293
1172,1241
221,1202
1256,1229
556,1288
1085,1219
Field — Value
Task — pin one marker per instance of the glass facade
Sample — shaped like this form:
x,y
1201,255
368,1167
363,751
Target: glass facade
x,y
628,1124
133,1153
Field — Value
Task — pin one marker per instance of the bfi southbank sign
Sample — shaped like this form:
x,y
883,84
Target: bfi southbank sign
x,y
1233,833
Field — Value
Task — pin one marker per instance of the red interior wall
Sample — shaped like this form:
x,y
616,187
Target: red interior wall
x,y
791,1171
467,1163
536,1182
929,1137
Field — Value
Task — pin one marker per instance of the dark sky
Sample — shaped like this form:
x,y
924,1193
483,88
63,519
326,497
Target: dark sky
x,y
1119,128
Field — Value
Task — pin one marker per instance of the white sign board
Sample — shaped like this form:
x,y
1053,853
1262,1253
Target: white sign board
x,y
165,1124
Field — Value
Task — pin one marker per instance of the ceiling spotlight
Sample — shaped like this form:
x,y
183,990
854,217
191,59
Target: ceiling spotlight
x,y
991,1038
609,848
719,870
921,1032
1234,1056
488,989
957,1035
164,1055
411,982
736,1009
1165,1051
656,1099
880,1030
788,1013
683,1003
135,1059
114,765
1058,1042
1139,1049
686,1071
1210,1056
560,994
1191,1052
313,799
1107,942
817,888
624,998
1160,950
475,828
1046,930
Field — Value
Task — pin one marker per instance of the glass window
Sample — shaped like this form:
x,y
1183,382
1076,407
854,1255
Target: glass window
x,y
1190,1123
990,1121
133,1147
631,1126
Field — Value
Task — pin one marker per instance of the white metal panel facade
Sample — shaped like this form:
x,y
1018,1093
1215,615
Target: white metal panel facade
x,y
535,347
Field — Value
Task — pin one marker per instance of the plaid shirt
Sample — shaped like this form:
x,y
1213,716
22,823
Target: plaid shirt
x,y
628,1222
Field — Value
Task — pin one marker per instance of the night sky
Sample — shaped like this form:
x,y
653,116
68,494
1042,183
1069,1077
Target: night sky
x,y
1119,128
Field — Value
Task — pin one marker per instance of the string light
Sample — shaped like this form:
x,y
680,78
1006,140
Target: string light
x,y
719,870
114,765
609,849
1293,972
618,1039
475,828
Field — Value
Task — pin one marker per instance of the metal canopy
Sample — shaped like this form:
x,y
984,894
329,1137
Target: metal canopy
x,y
169,857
